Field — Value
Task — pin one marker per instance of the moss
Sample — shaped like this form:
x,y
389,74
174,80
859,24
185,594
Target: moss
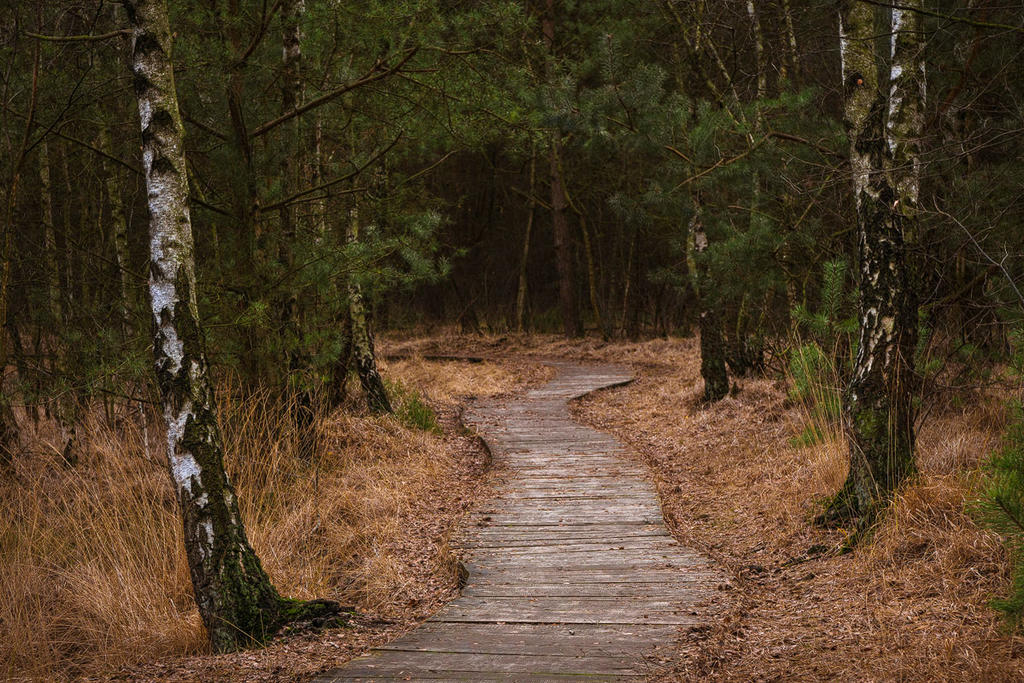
x,y
869,424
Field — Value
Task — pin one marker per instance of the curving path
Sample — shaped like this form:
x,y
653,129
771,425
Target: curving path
x,y
571,569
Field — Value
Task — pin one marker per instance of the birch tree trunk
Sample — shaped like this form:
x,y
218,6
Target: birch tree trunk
x,y
906,112
236,600
712,346
790,60
363,352
878,415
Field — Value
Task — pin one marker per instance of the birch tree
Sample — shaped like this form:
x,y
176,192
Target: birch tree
x,y
878,413
237,602
363,354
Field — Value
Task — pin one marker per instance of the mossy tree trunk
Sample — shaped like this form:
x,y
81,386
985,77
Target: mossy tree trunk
x,y
236,600
363,354
712,345
877,409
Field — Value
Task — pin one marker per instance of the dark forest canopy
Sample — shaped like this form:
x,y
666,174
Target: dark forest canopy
x,y
756,170
441,121
446,126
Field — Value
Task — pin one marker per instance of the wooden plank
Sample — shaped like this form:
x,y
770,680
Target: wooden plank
x,y
411,663
573,518
663,589
572,534
583,558
571,571
520,576
577,496
569,614
533,639
341,675
649,543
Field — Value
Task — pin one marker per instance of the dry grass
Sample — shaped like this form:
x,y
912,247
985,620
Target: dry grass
x,y
91,559
480,380
911,605
97,578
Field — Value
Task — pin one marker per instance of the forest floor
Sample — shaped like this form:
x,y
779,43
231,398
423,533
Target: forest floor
x,y
92,564
736,483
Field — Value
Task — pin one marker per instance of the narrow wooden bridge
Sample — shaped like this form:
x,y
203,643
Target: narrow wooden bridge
x,y
571,569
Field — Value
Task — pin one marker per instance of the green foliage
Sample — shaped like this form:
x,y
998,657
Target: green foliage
x,y
828,323
814,383
410,408
816,375
1001,506
1002,509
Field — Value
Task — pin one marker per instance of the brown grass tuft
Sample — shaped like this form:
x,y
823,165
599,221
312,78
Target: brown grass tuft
x,y
911,605
92,564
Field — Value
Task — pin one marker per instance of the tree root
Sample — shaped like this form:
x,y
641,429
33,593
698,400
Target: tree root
x,y
302,615
840,510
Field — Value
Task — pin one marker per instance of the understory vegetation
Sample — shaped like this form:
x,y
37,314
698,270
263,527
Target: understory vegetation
x,y
93,564
799,222
738,482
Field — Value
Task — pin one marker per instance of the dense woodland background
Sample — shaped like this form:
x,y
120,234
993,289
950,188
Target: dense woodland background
x,y
443,128
616,169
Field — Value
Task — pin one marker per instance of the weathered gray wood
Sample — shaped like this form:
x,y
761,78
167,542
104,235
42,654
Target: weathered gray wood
x,y
571,571
423,675
663,589
561,610
650,543
397,662
530,639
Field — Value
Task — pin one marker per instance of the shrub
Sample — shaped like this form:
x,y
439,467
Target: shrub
x,y
1002,503
411,409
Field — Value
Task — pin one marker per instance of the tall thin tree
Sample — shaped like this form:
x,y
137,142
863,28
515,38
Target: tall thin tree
x,y
237,602
878,413
571,321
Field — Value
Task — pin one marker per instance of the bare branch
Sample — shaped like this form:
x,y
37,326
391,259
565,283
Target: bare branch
x,y
375,74
947,17
82,38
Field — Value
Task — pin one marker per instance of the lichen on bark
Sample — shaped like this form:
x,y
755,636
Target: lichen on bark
x,y
878,412
237,602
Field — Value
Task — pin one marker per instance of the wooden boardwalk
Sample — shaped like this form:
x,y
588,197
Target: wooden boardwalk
x,y
571,569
